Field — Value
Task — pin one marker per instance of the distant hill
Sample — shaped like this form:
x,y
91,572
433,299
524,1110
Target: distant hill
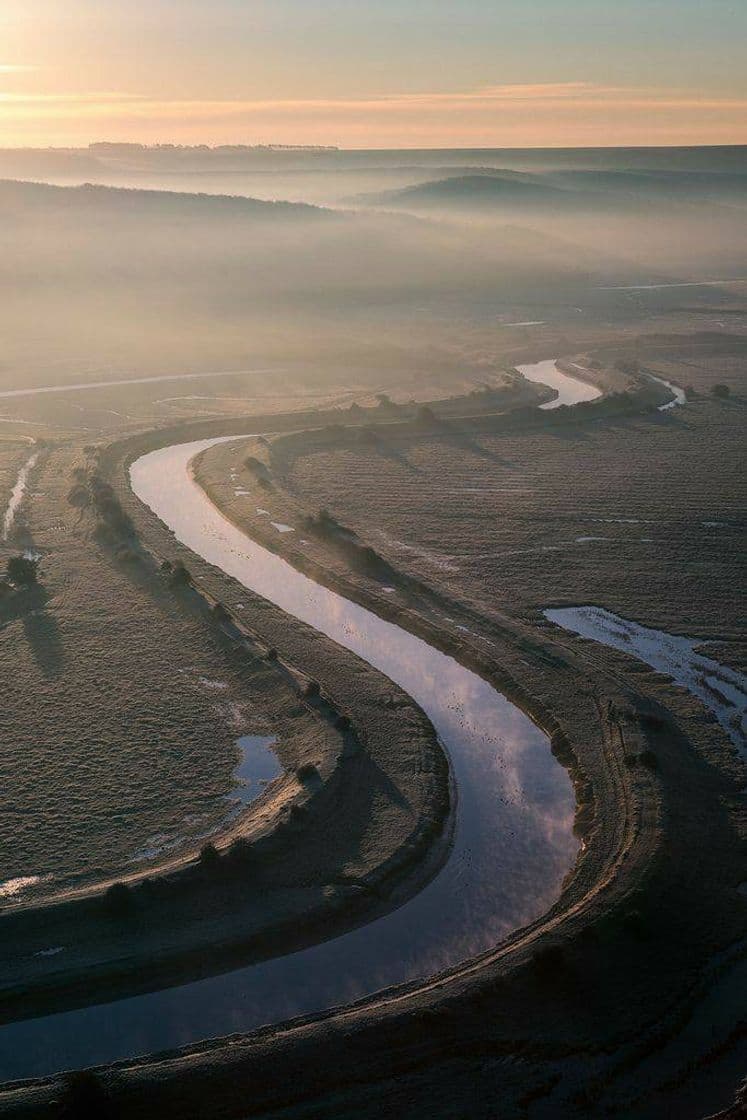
x,y
483,189
564,191
91,199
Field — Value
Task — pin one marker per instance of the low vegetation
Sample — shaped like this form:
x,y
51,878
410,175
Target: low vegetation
x,y
345,541
114,526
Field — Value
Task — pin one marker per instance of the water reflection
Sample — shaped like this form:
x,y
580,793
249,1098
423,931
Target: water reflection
x,y
571,390
513,840
16,495
258,766
720,688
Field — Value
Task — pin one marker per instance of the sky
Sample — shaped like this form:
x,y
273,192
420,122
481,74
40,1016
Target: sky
x,y
373,73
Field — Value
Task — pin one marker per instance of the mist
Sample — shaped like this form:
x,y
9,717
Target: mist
x,y
410,264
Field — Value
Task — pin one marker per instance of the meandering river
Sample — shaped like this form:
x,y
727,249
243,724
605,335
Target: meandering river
x,y
570,390
513,838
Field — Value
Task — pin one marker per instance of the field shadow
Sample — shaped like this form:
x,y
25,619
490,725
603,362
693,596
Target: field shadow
x,y
571,433
387,450
29,607
465,441
43,635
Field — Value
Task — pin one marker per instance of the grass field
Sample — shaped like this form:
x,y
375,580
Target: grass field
x,y
642,516
125,711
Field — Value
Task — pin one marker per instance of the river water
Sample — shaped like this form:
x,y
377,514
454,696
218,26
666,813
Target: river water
x,y
570,390
721,689
16,496
513,837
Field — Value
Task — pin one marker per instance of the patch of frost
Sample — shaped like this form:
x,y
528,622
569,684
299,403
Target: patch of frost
x,y
721,689
11,887
679,394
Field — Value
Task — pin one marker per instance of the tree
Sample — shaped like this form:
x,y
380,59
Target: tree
x,y
22,570
720,391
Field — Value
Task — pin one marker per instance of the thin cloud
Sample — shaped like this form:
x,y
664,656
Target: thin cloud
x,y
553,113
565,94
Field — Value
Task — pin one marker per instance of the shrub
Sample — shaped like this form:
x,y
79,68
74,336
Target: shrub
x,y
649,760
209,857
22,570
312,689
272,654
370,558
180,576
720,391
306,772
342,723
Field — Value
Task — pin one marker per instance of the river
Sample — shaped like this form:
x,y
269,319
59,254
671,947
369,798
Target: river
x,y
570,390
513,837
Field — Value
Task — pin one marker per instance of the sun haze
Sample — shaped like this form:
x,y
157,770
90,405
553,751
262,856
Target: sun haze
x,y
418,73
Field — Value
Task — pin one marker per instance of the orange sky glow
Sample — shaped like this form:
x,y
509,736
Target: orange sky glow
x,y
552,114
